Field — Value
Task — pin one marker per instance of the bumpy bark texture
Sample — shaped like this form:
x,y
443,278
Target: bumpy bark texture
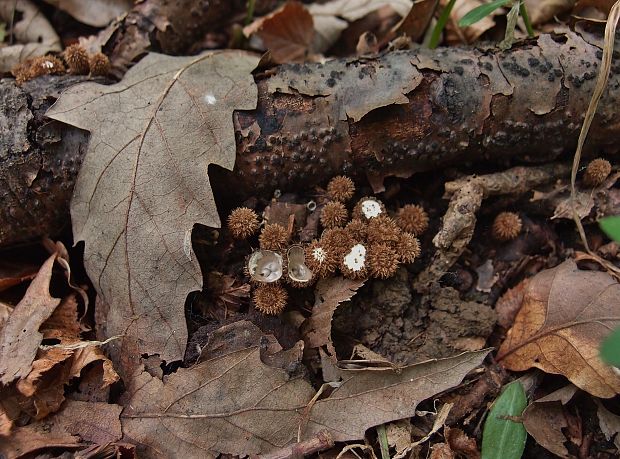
x,y
396,114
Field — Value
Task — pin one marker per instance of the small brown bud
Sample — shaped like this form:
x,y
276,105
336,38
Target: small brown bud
x,y
596,172
99,64
408,248
243,222
270,298
383,230
337,240
357,229
340,188
412,219
507,225
382,261
334,214
76,58
273,237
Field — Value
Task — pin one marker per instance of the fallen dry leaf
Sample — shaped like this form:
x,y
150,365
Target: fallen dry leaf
x,y
96,13
329,293
208,408
20,336
287,33
332,18
541,11
144,184
14,272
34,34
565,315
545,418
455,34
68,428
609,423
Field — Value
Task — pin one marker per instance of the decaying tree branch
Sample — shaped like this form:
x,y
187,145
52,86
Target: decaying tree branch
x,y
395,114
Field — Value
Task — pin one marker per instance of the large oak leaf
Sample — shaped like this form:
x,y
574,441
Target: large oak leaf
x,y
144,184
566,313
233,402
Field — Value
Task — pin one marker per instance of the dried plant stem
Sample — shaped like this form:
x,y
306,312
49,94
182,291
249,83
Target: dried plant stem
x,y
601,84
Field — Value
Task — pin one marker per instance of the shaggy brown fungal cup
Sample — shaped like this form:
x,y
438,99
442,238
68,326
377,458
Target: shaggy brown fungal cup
x,y
334,214
368,208
321,260
357,229
76,59
273,237
340,188
336,240
99,64
412,219
353,263
597,171
506,226
36,67
382,261
408,248
243,223
383,230
270,299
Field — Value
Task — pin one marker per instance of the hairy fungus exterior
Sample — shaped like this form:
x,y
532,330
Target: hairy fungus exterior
x,y
412,219
334,214
76,59
357,229
336,240
383,230
243,222
507,226
99,64
340,188
368,208
353,263
382,261
36,67
321,260
596,172
270,299
273,237
408,248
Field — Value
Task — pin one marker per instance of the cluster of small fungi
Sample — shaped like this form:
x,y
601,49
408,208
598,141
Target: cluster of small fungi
x,y
363,243
75,60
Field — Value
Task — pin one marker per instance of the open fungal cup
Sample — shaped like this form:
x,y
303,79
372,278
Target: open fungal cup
x,y
265,266
298,272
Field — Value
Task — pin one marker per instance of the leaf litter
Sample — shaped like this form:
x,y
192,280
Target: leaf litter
x,y
144,184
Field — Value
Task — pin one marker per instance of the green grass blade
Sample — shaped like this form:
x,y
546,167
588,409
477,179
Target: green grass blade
x,y
504,438
611,226
481,12
441,23
610,349
383,442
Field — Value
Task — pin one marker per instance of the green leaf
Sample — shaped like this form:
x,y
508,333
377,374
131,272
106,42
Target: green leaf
x,y
503,437
611,226
512,18
2,31
610,349
481,12
441,23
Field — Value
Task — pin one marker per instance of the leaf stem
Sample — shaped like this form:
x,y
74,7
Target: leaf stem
x,y
441,23
526,19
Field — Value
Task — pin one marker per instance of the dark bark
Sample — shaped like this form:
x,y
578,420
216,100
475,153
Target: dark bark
x,y
462,105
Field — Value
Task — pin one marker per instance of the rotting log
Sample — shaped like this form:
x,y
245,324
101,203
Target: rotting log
x,y
395,114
